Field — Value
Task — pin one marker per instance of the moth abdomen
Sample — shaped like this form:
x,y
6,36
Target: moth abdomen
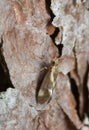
x,y
44,96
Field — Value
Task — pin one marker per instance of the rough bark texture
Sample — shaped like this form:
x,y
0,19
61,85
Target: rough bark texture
x,y
33,33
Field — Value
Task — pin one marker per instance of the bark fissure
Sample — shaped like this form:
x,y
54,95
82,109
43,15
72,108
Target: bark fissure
x,y
56,30
5,81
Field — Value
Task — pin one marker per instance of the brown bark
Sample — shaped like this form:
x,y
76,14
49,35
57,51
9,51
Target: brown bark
x,y
44,46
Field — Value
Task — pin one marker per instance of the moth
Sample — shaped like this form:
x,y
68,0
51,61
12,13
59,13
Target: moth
x,y
62,65
46,89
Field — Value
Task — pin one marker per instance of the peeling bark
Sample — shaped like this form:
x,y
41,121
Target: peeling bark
x,y
35,34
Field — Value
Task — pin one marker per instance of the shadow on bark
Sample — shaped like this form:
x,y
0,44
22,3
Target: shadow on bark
x,y
5,81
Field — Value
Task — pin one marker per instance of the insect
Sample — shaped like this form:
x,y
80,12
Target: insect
x,y
46,89
62,65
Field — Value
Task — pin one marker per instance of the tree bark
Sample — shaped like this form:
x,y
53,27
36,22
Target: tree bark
x,y
44,50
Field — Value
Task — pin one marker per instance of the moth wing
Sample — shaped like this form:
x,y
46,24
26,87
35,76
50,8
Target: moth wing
x,y
45,91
